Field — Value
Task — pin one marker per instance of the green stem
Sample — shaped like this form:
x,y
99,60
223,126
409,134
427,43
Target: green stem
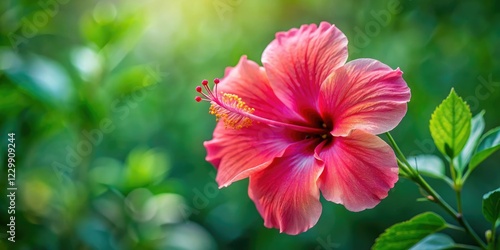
x,y
458,216
450,226
469,230
400,154
437,198
417,178
453,172
457,186
459,200
403,168
492,242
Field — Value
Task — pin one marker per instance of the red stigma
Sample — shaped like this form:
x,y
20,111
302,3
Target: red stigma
x,y
206,94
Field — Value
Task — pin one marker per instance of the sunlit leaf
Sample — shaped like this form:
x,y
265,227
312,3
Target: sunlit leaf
x,y
490,142
477,128
43,79
429,165
450,125
491,206
435,242
407,234
88,63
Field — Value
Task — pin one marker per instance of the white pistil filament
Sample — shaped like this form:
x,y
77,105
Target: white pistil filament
x,y
236,114
233,111
226,107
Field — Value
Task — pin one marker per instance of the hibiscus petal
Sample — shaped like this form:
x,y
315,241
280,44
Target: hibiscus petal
x,y
237,153
249,81
286,192
364,94
299,60
360,169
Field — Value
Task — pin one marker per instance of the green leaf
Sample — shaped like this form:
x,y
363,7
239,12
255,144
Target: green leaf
x,y
146,166
42,78
435,242
450,125
475,134
428,165
491,206
489,143
406,234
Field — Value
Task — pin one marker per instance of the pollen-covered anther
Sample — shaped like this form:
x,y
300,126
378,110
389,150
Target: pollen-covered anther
x,y
229,108
233,111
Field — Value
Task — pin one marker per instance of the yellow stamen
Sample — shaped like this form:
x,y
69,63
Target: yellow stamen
x,y
232,112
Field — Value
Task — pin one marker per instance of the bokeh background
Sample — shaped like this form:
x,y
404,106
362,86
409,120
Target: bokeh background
x,y
109,139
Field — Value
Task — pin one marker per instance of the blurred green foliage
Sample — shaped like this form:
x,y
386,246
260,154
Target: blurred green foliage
x,y
109,150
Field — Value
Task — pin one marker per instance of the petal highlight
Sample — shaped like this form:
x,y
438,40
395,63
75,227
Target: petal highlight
x,y
364,94
299,60
286,192
360,169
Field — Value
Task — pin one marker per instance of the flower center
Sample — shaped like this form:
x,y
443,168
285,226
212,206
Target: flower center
x,y
236,114
323,135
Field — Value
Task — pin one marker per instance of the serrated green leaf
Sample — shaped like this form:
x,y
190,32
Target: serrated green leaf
x,y
477,128
491,206
489,143
406,234
428,165
435,242
450,125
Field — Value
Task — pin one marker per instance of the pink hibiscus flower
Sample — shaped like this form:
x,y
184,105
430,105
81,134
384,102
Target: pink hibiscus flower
x,y
306,121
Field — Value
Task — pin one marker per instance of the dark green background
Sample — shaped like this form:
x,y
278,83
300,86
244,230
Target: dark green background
x,y
126,70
